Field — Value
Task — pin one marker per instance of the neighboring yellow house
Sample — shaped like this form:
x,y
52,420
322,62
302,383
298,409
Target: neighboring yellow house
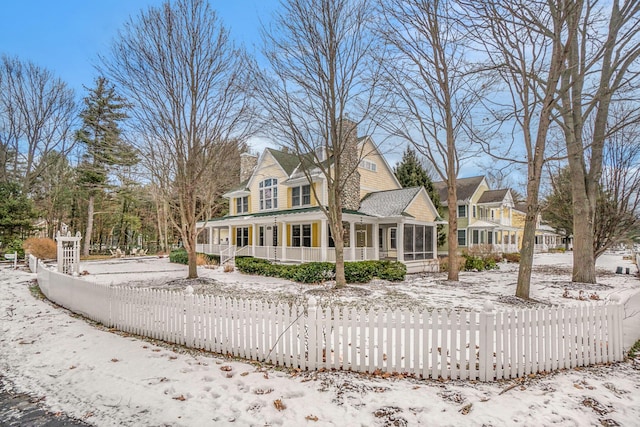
x,y
546,237
275,214
485,216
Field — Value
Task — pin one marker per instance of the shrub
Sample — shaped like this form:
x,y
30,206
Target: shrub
x,y
314,272
393,271
480,261
512,257
179,257
14,246
42,248
317,272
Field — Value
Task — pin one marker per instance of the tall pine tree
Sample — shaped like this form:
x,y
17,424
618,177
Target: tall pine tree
x,y
412,173
101,135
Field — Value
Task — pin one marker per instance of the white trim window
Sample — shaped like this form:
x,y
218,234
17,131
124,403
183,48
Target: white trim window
x,y
462,237
368,165
301,235
242,205
462,211
269,194
301,196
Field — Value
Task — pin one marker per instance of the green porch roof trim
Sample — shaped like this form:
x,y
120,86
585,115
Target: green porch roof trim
x,y
283,212
288,161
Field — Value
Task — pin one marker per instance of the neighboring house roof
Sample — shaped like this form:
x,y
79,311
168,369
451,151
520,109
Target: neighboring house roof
x,y
465,187
281,212
287,161
388,203
493,196
521,207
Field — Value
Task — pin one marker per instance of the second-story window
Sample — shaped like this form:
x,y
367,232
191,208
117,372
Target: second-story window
x,y
462,211
301,196
269,194
242,205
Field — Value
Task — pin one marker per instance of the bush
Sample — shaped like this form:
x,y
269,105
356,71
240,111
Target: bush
x,y
180,256
317,272
512,257
393,271
313,272
480,261
41,248
14,246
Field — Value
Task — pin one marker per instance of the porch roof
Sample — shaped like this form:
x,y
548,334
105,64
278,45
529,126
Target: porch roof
x,y
390,203
310,209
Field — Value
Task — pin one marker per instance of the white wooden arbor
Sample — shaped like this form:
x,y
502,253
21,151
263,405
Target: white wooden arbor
x,y
68,253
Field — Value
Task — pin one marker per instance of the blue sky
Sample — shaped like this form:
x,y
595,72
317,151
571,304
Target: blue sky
x,y
66,36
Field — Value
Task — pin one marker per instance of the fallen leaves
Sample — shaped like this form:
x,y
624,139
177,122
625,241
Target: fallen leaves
x,y
311,418
279,405
181,398
226,368
114,360
466,409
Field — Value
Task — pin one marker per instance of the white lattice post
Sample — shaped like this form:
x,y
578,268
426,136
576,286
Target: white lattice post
x,y
189,317
68,253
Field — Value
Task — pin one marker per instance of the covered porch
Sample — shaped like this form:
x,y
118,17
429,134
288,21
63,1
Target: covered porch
x,y
502,238
305,237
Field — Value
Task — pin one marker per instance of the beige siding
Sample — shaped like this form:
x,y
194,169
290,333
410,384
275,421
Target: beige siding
x,y
474,201
421,209
380,180
268,168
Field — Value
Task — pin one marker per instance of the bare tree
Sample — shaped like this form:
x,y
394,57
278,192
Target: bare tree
x,y
37,112
436,91
319,86
526,46
188,83
602,69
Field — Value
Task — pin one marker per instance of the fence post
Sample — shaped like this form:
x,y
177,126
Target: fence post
x,y
487,321
189,320
617,332
312,342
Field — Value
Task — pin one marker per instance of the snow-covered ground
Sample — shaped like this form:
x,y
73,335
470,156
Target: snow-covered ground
x,y
108,378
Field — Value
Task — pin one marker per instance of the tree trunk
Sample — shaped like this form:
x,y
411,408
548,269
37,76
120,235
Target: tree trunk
x,y
584,262
338,240
87,235
452,200
523,287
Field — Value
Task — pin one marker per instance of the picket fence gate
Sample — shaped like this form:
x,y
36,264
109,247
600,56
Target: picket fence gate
x,y
484,345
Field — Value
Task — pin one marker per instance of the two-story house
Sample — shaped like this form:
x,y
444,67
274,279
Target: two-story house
x,y
275,214
485,216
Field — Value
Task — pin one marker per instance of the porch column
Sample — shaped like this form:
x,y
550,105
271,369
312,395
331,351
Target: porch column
x,y
324,241
434,237
229,238
210,240
376,241
400,241
283,227
352,240
254,239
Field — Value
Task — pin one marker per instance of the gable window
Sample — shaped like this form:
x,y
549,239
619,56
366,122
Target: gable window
x,y
301,196
462,237
368,165
301,235
462,211
242,205
269,194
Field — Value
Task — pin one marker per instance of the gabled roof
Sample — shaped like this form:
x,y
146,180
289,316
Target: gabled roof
x,y
493,196
465,187
243,186
287,161
388,203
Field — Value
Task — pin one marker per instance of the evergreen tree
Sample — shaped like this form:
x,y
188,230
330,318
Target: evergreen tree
x,y
101,135
17,214
412,173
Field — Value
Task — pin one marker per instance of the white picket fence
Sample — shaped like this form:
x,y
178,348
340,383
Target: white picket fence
x,y
484,345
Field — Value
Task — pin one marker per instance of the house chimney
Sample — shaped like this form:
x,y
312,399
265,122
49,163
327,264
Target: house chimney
x,y
248,163
350,161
